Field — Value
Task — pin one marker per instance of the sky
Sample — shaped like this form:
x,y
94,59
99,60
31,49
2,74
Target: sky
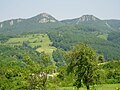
x,y
60,9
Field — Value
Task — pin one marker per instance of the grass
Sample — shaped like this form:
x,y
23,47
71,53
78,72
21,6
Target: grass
x,y
41,41
97,87
108,87
103,36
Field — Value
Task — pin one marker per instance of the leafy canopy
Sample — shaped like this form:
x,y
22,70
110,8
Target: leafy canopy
x,y
83,62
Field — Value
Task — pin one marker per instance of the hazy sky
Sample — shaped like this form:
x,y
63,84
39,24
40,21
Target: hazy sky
x,y
60,9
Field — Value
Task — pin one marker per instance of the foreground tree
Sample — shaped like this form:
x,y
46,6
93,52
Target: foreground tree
x,y
37,76
83,63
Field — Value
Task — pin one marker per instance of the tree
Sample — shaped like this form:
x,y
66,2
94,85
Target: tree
x,y
83,63
37,76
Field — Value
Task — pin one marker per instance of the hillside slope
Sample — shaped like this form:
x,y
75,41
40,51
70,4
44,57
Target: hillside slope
x,y
103,35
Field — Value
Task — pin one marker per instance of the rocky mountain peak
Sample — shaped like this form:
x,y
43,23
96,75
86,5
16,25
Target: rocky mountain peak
x,y
88,18
45,18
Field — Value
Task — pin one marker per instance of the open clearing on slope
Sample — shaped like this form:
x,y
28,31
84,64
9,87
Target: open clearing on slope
x,y
40,42
103,36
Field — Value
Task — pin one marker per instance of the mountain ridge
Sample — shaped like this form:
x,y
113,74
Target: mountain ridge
x,y
86,15
44,21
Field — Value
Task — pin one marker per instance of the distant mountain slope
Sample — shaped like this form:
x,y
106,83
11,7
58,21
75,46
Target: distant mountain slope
x,y
114,24
90,22
44,22
84,18
37,23
43,18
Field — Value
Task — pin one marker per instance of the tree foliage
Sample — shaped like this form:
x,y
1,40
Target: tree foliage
x,y
84,64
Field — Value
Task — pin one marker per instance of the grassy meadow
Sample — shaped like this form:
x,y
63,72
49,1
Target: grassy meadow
x,y
103,36
97,87
40,42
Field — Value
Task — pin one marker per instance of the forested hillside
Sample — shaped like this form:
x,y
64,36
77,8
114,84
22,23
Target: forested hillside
x,y
102,35
43,49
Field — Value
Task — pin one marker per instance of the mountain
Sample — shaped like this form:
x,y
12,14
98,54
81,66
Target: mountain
x,y
37,23
84,18
43,18
44,22
90,23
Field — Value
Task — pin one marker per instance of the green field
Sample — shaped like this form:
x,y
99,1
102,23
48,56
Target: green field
x,y
40,41
103,36
98,87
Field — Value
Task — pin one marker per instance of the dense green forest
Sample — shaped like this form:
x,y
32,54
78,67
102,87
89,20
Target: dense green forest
x,y
65,39
21,68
